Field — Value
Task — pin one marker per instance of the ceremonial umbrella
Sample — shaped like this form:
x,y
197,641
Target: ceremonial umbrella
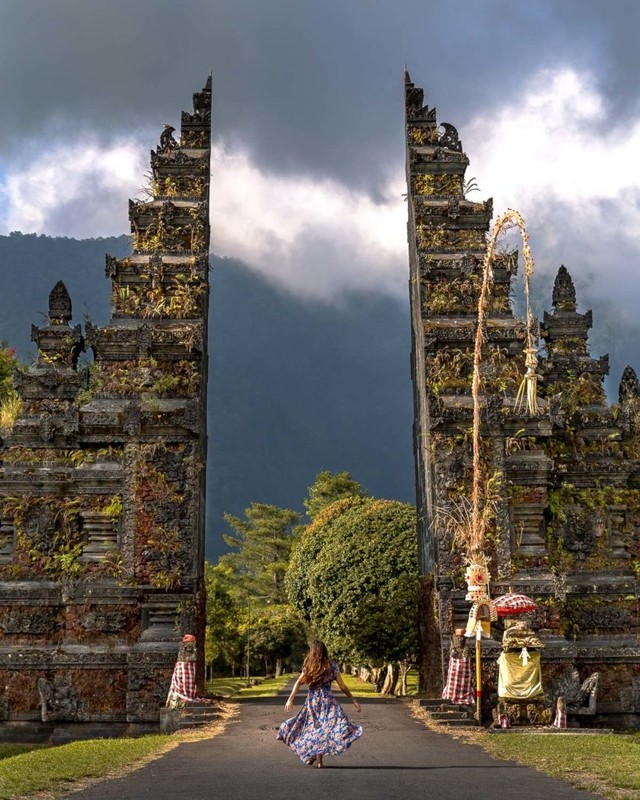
x,y
511,603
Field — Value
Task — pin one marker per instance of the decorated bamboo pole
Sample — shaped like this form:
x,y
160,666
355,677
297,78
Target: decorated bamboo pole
x,y
527,397
479,673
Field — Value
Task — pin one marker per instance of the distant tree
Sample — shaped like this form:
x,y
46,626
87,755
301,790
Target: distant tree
x,y
278,636
329,487
262,542
224,640
353,575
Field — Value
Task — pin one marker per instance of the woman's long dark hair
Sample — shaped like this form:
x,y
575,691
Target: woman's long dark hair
x,y
316,667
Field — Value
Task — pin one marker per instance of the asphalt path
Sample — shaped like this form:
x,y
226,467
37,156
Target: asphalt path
x,y
397,758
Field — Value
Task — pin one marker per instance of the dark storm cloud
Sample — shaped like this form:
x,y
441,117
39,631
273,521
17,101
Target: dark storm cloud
x,y
307,86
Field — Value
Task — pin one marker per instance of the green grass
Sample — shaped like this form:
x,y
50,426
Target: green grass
x,y
225,687
359,688
10,750
57,768
230,687
606,764
267,688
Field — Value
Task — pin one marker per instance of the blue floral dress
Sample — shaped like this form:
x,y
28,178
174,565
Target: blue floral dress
x,y
321,727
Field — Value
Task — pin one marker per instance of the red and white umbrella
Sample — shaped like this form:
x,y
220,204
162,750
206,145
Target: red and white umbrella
x,y
512,603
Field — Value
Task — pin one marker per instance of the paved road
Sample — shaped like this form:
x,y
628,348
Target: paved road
x,y
397,758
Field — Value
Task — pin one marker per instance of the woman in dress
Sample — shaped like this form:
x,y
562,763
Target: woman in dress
x,y
321,727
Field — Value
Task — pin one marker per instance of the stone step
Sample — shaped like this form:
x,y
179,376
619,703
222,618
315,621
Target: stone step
x,y
189,711
443,716
428,704
467,722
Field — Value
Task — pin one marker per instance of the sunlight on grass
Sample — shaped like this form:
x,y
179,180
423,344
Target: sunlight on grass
x,y
263,687
359,688
44,769
225,687
603,763
268,688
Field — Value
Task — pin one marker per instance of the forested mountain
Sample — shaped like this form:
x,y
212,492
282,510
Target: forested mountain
x,y
295,386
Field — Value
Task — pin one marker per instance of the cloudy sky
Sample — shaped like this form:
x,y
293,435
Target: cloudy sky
x,y
308,115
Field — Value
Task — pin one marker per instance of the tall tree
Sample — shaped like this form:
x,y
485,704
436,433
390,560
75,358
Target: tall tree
x,y
262,543
224,641
354,575
329,487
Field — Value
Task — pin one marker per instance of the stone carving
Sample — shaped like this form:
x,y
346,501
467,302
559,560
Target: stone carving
x,y
39,526
35,622
577,532
59,304
167,142
629,388
564,292
607,617
449,139
85,458
59,700
104,621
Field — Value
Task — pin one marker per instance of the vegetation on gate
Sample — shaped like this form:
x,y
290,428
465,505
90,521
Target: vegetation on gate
x,y
10,403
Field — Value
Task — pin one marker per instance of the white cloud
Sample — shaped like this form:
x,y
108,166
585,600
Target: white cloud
x,y
315,237
573,175
552,154
77,189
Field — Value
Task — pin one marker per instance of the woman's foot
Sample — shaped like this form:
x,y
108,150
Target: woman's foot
x,y
311,761
320,765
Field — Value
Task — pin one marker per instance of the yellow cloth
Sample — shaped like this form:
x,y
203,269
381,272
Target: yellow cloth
x,y
518,681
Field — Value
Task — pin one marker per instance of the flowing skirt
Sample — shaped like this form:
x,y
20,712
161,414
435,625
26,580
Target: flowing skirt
x,y
320,728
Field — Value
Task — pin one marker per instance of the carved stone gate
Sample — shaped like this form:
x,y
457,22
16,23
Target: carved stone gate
x,y
567,522
102,477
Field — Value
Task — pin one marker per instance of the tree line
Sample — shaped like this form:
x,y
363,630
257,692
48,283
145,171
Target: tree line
x,y
349,576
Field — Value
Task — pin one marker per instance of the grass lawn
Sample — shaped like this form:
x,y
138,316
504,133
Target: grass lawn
x,y
10,750
230,687
225,687
47,769
357,687
607,764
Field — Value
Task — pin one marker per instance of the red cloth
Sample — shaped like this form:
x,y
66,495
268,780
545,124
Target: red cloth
x,y
183,684
561,719
459,688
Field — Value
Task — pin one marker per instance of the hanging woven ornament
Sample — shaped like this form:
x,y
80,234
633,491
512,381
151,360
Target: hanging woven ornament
x,y
527,397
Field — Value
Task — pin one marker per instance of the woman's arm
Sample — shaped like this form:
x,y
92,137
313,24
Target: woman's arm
x,y
345,689
289,704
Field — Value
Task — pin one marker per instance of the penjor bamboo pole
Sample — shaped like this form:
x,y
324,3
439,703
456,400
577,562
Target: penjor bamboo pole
x,y
478,674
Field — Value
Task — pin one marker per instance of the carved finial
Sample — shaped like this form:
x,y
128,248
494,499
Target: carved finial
x,y
629,385
207,86
59,304
167,142
564,292
449,138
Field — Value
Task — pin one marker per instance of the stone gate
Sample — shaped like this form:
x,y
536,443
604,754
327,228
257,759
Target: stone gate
x,y
567,512
102,477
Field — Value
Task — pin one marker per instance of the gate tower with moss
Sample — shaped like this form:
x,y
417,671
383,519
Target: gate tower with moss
x,y
566,527
102,479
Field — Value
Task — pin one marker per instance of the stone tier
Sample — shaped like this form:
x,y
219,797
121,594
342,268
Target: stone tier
x,y
127,338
